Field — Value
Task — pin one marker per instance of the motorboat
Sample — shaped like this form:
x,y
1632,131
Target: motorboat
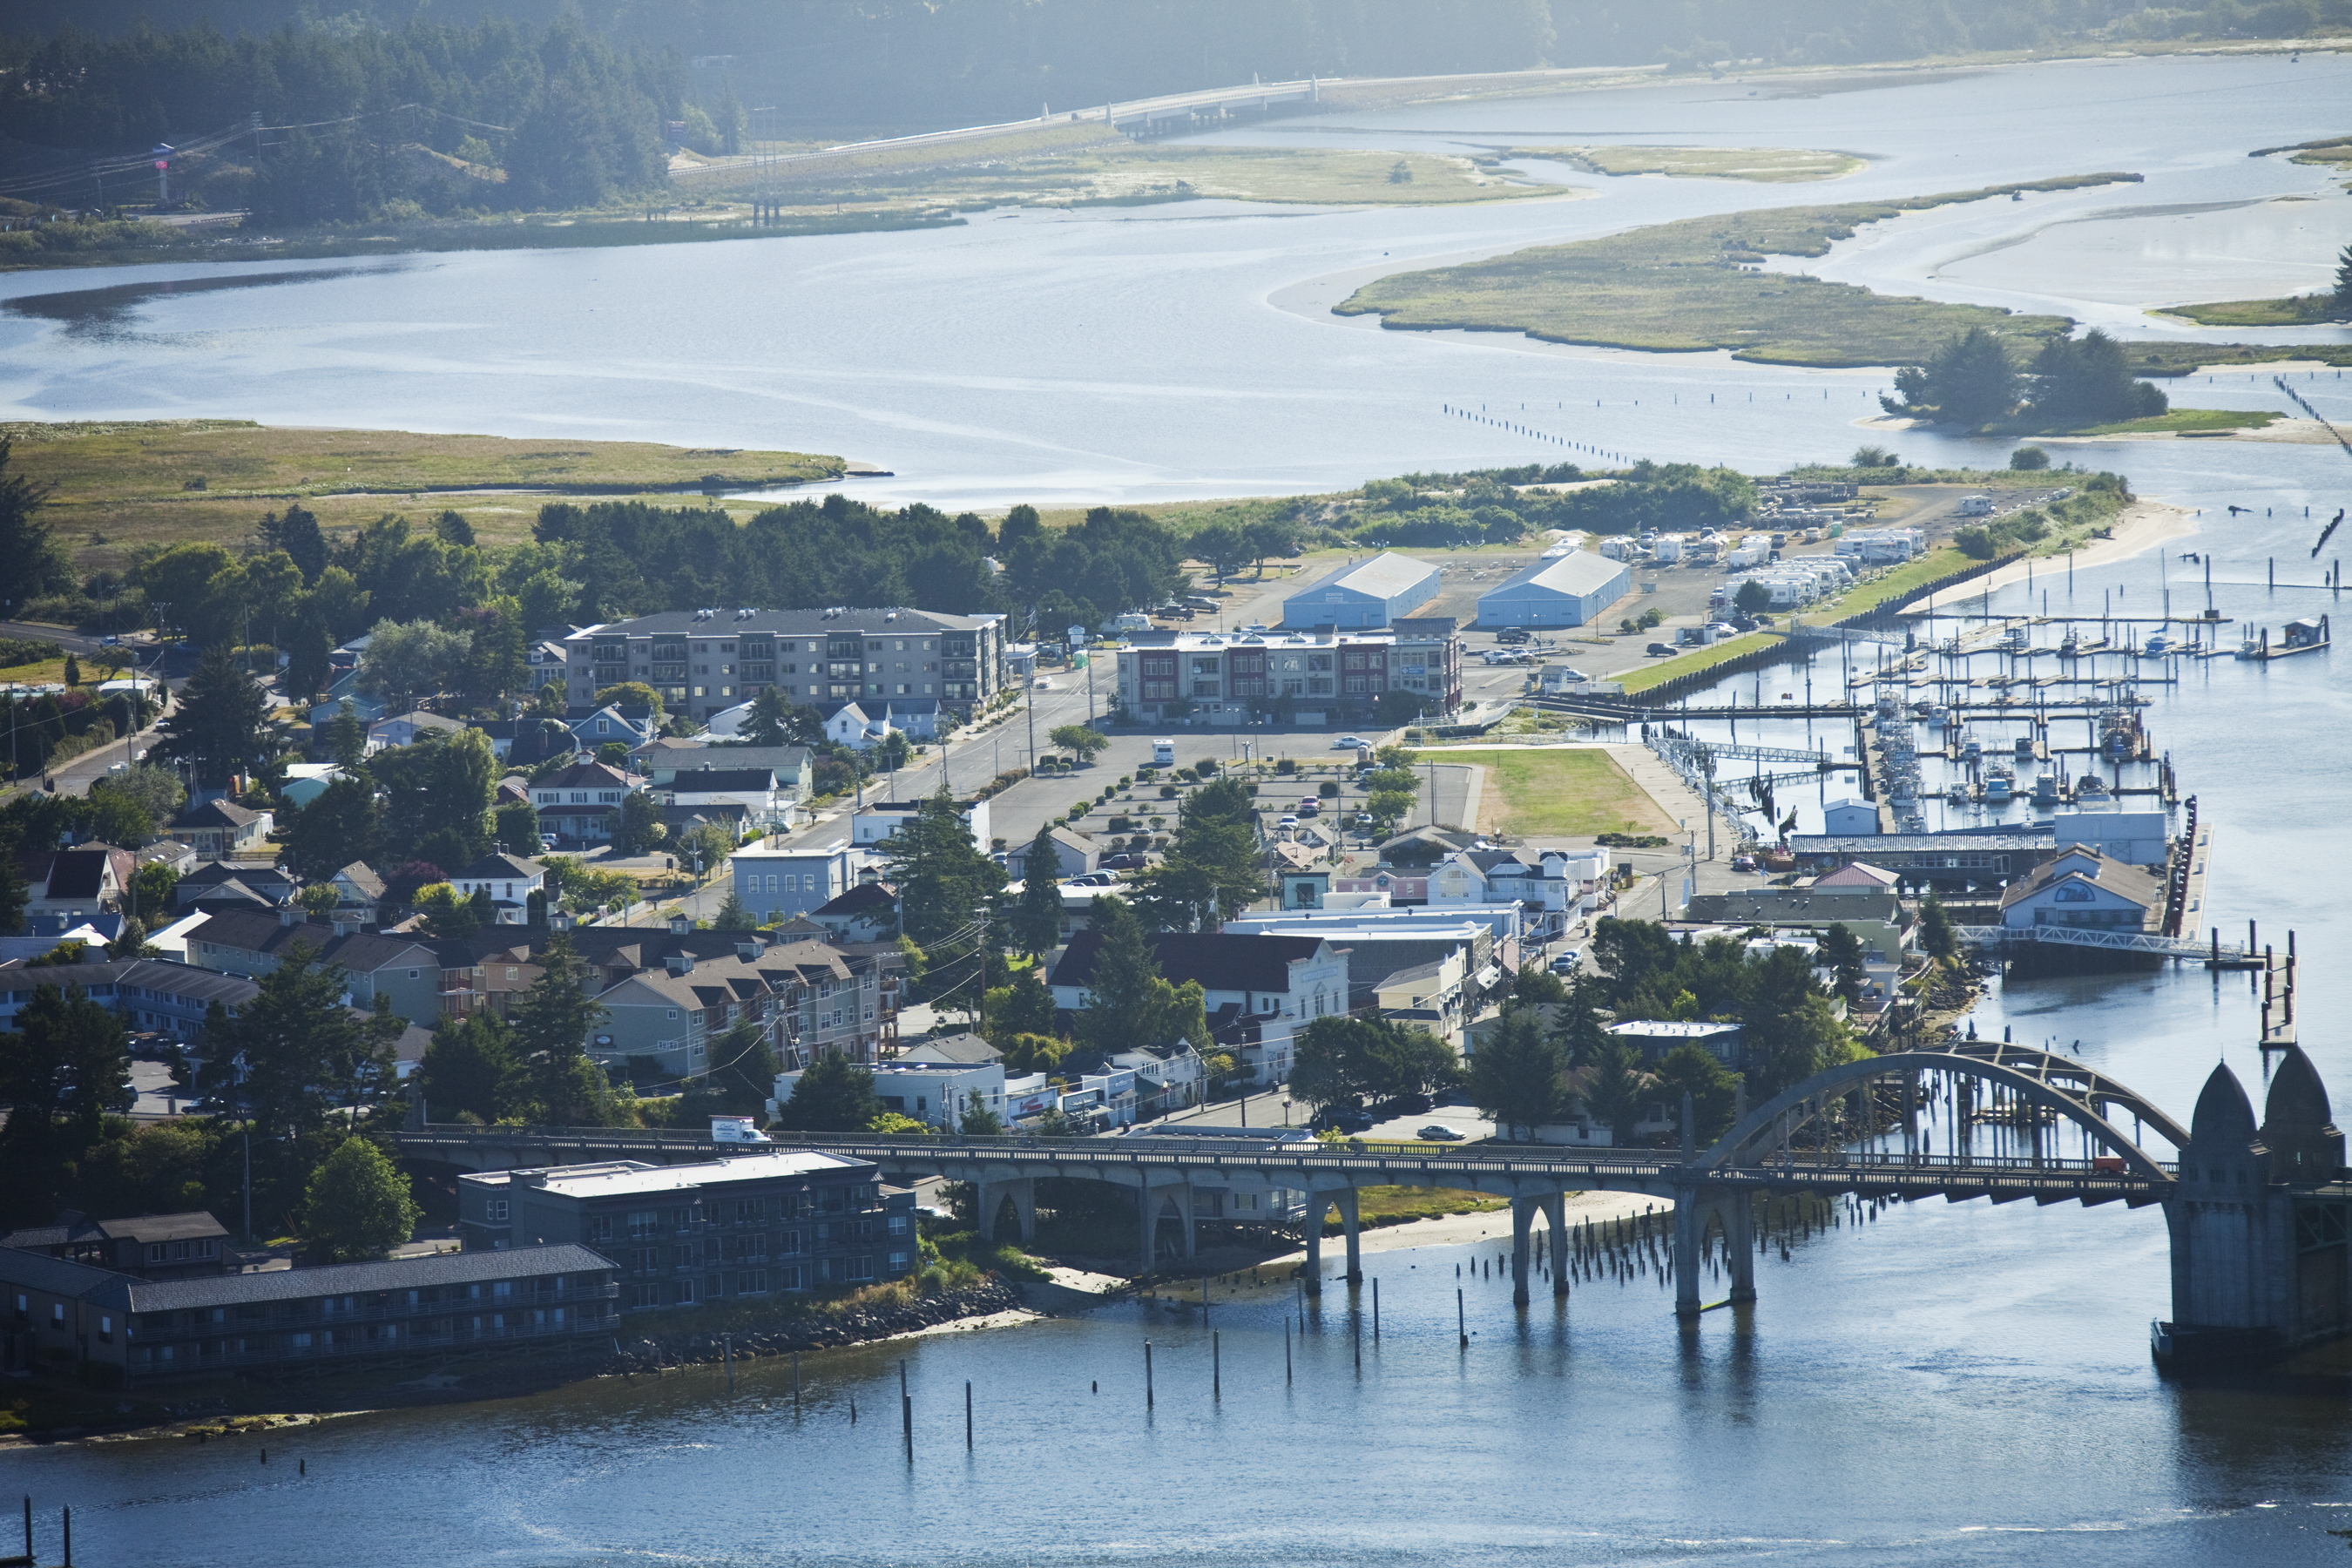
x,y
2023,748
2001,787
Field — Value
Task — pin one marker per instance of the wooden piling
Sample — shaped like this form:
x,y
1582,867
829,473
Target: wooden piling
x,y
1148,1393
967,1415
796,1385
1216,1369
1285,1366
1461,1321
1376,1309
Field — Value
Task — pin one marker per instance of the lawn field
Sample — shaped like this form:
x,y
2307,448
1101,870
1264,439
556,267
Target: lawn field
x,y
1569,792
115,486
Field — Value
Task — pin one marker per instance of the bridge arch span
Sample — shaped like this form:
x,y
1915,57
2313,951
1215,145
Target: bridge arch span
x,y
2078,1093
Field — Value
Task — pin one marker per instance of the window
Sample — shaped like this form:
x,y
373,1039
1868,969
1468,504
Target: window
x,y
57,1314
154,1252
106,1328
495,1211
788,1243
861,1268
897,1263
415,973
788,1278
645,1223
599,1228
749,1210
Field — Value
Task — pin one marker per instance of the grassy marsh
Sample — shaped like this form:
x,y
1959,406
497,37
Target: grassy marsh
x,y
1764,165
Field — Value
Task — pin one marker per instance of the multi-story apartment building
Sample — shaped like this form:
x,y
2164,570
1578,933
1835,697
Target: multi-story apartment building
x,y
1232,678
703,661
806,998
754,1225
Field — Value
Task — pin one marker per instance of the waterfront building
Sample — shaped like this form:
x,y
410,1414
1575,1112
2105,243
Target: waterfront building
x,y
151,1246
149,993
679,1235
111,1329
2083,887
706,661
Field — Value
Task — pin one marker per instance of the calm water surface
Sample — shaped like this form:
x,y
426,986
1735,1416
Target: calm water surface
x,y
1949,1384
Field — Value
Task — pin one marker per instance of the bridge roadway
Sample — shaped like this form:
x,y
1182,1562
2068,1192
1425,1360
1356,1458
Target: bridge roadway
x,y
1708,1189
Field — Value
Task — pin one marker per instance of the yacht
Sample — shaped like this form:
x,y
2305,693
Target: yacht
x,y
2001,787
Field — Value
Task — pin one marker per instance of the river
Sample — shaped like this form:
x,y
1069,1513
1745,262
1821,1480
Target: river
x,y
1949,1384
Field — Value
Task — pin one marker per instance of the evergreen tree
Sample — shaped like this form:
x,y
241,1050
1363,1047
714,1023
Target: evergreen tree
x,y
1211,872
1619,1092
977,1121
341,824
1516,1074
743,1069
1023,1007
1121,989
551,1025
1037,916
1968,380
834,1095
516,826
296,531
1841,952
732,915
347,739
69,1057
1713,1090
218,724
1936,932
469,1068
37,563
640,826
357,1205
297,1048
2344,282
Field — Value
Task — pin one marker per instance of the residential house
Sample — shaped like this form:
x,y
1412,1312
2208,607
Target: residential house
x,y
765,802
1074,854
867,912
218,829
149,994
406,970
803,997
66,886
880,820
2083,887
262,881
285,1322
357,892
528,742
1258,989
612,724
151,1246
488,972
1655,1037
306,782
662,759
582,804
407,729
509,879
755,1226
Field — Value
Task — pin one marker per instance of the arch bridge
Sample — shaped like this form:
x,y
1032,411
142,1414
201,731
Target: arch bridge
x,y
1968,1119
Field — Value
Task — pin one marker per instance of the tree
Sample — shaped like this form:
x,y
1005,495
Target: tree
x,y
1211,870
406,661
150,794
37,564
775,720
743,1071
2342,288
1221,545
347,739
297,533
1936,932
1128,1002
1518,1075
551,1025
2028,459
1841,951
357,1205
1619,1092
152,887
341,824
733,914
834,1095
69,1057
1023,1007
630,694
438,797
1078,739
1968,380
1037,915
297,1049
942,878
1713,1088
978,1120
516,826
893,750
1874,457
640,826
1753,598
448,916
217,726
1327,1063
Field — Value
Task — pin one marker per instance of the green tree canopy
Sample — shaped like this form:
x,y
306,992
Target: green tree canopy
x,y
1517,1076
358,1205
1967,380
1036,919
551,1025
217,726
834,1095
37,563
1713,1088
470,1066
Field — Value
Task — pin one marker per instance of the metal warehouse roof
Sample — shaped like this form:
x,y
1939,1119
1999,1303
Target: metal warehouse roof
x,y
1384,576
1575,574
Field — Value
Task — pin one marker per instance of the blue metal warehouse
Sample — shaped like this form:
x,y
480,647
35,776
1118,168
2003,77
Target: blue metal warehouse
x,y
1371,593
1567,590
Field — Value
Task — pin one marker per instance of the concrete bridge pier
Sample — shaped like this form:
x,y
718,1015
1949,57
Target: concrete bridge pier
x,y
1156,1200
1739,1240
1555,1210
1346,1199
1690,1231
1523,1221
1022,1191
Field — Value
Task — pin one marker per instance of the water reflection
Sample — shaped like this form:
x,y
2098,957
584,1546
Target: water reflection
x,y
106,314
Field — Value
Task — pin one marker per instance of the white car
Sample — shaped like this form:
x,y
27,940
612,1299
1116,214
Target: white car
x,y
1348,742
1289,823
1042,683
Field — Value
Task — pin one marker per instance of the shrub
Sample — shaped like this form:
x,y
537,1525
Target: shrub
x,y
1327,790
2028,459
1168,791
1287,766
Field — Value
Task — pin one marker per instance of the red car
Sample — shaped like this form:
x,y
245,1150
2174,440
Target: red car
x,y
1309,806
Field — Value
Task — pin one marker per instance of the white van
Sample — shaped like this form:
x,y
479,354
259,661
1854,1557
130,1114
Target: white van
x,y
1163,753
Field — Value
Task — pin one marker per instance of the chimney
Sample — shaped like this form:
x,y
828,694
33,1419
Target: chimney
x,y
289,915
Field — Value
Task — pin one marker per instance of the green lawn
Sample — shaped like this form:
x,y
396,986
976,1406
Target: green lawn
x,y
1650,676
1560,793
1398,1206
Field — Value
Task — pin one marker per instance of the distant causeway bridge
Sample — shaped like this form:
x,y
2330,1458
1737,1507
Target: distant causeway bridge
x,y
2259,1215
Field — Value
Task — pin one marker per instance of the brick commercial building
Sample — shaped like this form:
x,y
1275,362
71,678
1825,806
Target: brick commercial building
x,y
759,1225
1234,679
704,661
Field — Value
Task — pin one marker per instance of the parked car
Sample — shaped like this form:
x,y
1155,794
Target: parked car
x,y
1743,862
1349,742
1309,806
1122,862
548,841
1410,1104
1364,820
1042,683
1344,1118
1568,963
1510,636
1093,880
1576,676
1661,650
1438,1133
1287,822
